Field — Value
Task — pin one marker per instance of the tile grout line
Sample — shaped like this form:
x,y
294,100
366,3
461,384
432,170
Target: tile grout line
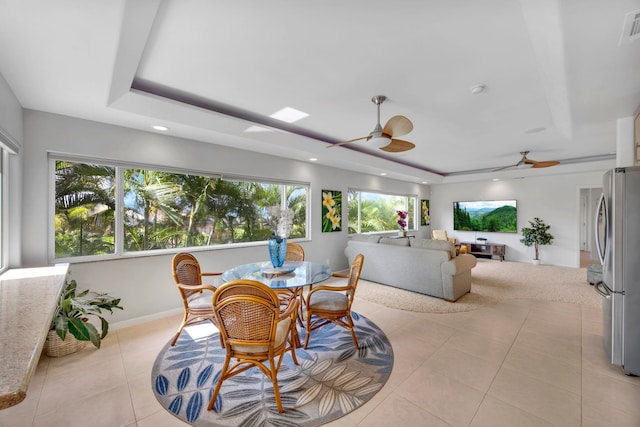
x,y
499,368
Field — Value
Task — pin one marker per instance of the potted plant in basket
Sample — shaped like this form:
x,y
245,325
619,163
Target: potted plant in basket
x,y
70,327
536,235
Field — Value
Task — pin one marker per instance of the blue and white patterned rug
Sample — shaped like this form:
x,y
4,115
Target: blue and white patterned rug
x,y
331,380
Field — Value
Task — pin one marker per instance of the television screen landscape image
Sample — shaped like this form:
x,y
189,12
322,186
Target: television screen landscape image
x,y
491,215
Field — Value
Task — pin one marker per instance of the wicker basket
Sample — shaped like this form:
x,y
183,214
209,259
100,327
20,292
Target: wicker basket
x,y
55,347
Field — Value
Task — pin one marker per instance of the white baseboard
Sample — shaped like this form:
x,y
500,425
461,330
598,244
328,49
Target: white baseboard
x,y
144,319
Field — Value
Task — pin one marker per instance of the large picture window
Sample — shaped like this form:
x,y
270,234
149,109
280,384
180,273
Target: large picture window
x,y
163,210
376,212
85,207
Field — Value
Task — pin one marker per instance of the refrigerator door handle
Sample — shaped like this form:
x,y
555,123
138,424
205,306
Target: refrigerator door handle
x,y
601,209
602,290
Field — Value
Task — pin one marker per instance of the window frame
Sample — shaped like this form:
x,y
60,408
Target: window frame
x,y
408,197
119,226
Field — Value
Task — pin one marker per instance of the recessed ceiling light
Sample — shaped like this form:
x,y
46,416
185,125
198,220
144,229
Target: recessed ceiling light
x,y
313,159
160,128
535,130
383,174
289,115
424,182
495,179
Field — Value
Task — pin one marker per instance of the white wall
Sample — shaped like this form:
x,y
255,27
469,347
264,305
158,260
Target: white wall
x,y
145,283
11,135
10,114
554,199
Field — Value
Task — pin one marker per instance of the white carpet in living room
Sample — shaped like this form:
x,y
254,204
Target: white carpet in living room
x,y
492,281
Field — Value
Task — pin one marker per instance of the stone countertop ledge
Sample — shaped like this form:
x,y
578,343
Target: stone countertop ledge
x,y
28,300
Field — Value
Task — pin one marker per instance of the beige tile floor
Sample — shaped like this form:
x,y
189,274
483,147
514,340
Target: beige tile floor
x,y
517,363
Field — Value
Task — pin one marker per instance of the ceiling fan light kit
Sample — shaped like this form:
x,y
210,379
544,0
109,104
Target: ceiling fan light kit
x,y
383,138
379,141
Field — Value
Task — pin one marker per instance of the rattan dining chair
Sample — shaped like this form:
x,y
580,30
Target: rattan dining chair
x,y
332,304
196,296
295,252
254,331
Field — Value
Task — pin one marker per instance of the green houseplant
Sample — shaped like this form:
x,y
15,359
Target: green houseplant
x,y
74,309
535,235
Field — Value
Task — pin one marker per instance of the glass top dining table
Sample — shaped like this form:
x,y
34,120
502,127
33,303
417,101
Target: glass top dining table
x,y
293,274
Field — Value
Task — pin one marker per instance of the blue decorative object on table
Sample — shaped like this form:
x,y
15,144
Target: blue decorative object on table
x,y
277,250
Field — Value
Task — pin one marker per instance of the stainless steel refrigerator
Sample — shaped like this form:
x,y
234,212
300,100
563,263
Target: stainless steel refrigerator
x,y
618,245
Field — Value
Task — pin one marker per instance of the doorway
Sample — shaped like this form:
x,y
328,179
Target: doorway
x,y
588,200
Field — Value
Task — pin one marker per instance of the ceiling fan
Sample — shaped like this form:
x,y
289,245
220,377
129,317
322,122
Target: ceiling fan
x,y
533,163
384,138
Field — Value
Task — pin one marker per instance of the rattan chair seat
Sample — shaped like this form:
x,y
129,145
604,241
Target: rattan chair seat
x,y
328,300
200,301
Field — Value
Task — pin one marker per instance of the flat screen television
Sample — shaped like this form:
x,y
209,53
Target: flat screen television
x,y
487,215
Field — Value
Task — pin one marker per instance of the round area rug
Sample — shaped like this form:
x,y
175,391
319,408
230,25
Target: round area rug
x,y
331,380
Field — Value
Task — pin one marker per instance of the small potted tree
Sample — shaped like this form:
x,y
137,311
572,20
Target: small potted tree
x,y
535,235
70,327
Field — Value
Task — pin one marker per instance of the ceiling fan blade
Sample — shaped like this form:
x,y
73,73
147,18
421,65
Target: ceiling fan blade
x,y
528,161
545,164
398,126
346,142
398,146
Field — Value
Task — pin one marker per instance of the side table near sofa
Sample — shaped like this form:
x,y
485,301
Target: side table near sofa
x,y
487,249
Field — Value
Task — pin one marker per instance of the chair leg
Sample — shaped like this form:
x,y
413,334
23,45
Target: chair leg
x,y
293,354
294,342
223,372
182,325
303,305
353,330
307,329
274,380
175,338
300,311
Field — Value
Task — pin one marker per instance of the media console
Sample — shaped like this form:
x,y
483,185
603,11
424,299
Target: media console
x,y
487,249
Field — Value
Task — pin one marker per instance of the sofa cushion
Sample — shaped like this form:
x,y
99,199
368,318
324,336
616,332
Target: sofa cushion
x,y
365,238
439,245
396,242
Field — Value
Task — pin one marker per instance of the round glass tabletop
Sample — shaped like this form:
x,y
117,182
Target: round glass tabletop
x,y
293,274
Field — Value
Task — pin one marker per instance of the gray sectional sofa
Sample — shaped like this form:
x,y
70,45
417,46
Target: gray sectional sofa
x,y
426,266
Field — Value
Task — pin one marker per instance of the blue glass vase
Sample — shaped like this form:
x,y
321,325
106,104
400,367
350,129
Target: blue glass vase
x,y
277,251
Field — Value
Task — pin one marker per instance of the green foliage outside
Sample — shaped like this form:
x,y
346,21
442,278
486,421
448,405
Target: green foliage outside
x,y
502,219
163,210
378,212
